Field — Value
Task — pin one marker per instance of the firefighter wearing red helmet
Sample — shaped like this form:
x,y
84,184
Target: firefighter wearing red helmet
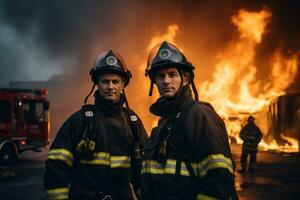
x,y
96,152
251,136
188,155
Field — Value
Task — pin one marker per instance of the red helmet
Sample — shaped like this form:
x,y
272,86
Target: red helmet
x,y
110,62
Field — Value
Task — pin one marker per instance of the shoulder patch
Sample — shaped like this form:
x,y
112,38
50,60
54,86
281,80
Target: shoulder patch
x,y
133,118
89,113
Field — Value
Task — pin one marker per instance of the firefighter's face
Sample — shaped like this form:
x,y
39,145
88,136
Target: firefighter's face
x,y
168,81
110,86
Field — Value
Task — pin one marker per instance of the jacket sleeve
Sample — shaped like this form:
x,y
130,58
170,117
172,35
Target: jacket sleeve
x,y
214,168
58,164
242,133
260,135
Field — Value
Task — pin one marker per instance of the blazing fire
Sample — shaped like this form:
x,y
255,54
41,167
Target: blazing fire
x,y
235,81
236,69
290,145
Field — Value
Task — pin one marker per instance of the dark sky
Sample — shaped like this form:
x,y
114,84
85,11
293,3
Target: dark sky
x,y
39,39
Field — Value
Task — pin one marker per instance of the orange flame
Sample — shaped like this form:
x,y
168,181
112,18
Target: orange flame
x,y
236,65
168,36
290,146
234,85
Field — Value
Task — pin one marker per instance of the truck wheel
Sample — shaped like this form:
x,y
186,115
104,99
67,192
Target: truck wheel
x,y
8,154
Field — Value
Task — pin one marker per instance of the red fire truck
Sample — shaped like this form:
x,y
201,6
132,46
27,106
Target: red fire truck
x,y
24,122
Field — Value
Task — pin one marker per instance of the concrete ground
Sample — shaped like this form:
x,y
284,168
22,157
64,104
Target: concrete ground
x,y
277,176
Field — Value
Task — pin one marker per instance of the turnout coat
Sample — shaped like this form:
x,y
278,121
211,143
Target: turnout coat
x,y
196,162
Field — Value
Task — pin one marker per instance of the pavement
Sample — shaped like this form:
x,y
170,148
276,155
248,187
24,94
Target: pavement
x,y
277,177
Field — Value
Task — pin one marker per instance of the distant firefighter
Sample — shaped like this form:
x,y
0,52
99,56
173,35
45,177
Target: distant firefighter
x,y
251,136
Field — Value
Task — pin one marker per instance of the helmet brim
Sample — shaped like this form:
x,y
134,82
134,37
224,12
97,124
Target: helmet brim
x,y
126,75
180,66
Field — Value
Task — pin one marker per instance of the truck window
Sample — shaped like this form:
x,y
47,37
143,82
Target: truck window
x,y
5,111
33,111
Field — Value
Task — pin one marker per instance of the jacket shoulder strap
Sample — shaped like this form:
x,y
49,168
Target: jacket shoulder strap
x,y
135,147
182,152
88,118
87,144
134,124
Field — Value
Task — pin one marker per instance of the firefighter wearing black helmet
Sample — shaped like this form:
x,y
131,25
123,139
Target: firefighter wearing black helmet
x,y
96,152
188,154
251,136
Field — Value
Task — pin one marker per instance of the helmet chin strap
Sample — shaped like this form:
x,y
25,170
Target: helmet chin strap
x,y
126,102
195,90
192,84
151,88
86,98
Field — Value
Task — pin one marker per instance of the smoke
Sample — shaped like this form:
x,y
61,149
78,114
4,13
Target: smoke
x,y
63,36
23,55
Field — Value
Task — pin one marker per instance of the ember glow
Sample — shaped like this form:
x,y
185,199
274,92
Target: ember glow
x,y
235,90
291,145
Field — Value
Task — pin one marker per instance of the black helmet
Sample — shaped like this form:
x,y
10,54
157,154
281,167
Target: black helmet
x,y
250,118
167,55
110,62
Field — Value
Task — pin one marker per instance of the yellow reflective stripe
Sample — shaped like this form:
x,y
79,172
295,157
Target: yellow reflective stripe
x,y
104,158
153,167
61,154
58,193
200,169
120,161
204,197
212,162
101,158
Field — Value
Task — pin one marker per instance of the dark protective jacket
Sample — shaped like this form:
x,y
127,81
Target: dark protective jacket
x,y
70,176
251,135
198,162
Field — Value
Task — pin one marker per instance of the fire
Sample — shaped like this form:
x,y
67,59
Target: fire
x,y
236,68
290,146
251,24
283,73
235,90
168,36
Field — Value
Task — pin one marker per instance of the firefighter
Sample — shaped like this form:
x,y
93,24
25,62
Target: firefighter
x,y
251,136
96,154
188,155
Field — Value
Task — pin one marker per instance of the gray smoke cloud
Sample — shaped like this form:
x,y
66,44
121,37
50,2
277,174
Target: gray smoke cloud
x,y
25,57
